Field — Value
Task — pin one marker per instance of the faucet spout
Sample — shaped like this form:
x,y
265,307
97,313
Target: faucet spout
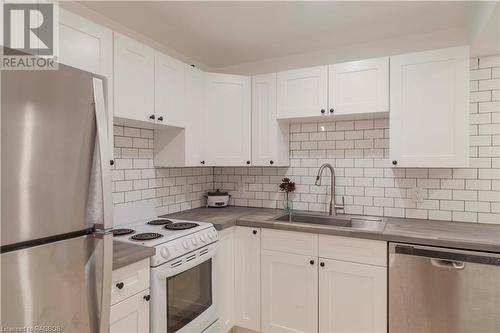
x,y
333,206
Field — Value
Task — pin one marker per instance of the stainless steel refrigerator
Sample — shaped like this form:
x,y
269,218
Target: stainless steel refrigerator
x,y
56,252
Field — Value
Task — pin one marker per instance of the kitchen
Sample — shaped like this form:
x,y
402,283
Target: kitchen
x,y
254,167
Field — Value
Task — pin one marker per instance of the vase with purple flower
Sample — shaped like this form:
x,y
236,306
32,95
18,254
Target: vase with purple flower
x,y
287,186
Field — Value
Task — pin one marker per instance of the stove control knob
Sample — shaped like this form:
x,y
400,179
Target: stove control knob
x,y
185,244
194,241
203,238
210,234
164,252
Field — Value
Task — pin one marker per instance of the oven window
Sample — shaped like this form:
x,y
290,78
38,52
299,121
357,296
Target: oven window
x,y
188,295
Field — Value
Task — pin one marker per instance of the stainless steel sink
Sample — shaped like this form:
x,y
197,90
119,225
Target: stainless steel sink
x,y
373,224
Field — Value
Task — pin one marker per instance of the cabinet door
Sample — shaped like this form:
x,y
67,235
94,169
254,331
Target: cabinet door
x,y
247,277
429,123
289,292
169,91
88,46
195,115
269,136
352,297
134,79
228,120
302,92
359,87
130,315
225,284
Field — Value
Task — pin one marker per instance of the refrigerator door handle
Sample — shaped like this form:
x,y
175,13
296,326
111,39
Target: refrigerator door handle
x,y
102,136
107,269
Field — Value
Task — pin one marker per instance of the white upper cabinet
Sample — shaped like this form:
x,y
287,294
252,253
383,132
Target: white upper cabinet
x,y
85,45
359,87
227,120
169,91
269,136
88,46
302,93
134,70
429,123
289,292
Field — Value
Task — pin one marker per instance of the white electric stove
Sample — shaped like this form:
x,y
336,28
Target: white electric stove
x,y
183,273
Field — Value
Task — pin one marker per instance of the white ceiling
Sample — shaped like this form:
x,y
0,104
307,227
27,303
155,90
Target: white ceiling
x,y
221,34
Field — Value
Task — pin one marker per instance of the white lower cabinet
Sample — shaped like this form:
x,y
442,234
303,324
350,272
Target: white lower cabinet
x,y
247,277
289,292
225,277
131,315
130,298
352,297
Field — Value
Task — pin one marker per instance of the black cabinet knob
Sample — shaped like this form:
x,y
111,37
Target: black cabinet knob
x,y
322,264
311,262
152,117
147,297
254,232
120,285
202,162
323,111
160,118
271,162
111,162
394,162
248,162
332,110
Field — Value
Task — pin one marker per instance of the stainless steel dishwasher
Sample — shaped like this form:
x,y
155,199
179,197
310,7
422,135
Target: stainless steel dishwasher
x,y
442,290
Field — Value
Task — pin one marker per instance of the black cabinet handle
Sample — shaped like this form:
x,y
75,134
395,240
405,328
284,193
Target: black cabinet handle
x,y
322,264
202,162
311,262
332,110
323,111
152,117
394,162
160,118
147,297
271,162
248,162
254,232
111,162
119,285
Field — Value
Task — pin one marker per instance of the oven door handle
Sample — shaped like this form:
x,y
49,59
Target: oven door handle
x,y
171,271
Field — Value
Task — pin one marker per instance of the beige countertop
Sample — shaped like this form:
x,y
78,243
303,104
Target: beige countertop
x,y
470,236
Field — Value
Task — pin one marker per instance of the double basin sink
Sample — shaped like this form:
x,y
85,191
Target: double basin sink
x,y
360,223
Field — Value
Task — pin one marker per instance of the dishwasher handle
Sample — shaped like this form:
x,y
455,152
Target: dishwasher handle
x,y
448,264
444,257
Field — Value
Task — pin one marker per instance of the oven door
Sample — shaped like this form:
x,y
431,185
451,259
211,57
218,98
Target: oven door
x,y
183,293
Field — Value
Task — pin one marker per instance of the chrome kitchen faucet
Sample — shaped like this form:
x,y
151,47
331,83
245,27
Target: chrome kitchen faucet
x,y
333,207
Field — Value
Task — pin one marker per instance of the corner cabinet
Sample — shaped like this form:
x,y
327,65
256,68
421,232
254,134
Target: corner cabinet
x,y
302,93
358,87
227,120
429,123
270,141
134,69
247,277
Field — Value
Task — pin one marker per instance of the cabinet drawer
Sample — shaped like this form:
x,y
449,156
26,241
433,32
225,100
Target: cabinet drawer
x,y
358,250
290,242
129,280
